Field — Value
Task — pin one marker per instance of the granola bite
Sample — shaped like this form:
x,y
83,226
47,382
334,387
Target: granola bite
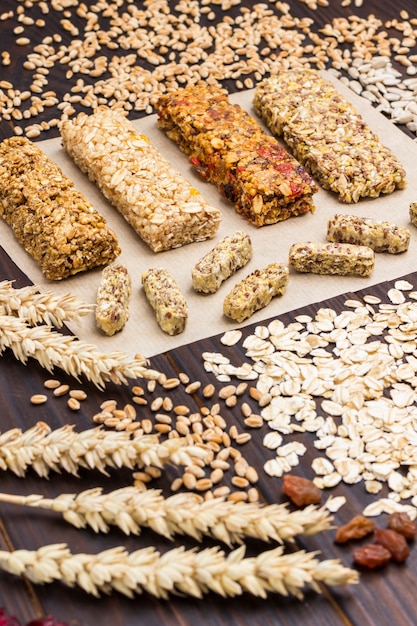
x,y
230,149
380,235
162,207
327,135
343,259
113,297
229,255
52,220
256,291
166,299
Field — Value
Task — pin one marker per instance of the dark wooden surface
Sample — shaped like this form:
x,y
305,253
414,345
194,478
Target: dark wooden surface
x,y
382,599
56,78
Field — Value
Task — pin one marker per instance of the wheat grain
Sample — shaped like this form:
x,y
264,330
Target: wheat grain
x,y
76,357
190,572
47,450
184,513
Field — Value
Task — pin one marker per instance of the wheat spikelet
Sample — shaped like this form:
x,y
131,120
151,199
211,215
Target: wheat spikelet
x,y
47,450
184,513
37,307
190,572
76,357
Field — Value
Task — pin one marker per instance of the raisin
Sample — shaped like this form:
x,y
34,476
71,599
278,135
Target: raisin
x,y
301,491
358,527
402,523
395,543
371,556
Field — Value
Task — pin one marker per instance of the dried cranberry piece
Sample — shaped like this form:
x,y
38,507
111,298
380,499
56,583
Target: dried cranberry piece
x,y
8,620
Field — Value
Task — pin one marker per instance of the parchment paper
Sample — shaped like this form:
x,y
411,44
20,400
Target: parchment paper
x,y
270,244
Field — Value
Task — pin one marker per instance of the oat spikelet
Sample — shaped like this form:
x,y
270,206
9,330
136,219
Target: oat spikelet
x,y
37,307
76,357
190,572
47,450
183,513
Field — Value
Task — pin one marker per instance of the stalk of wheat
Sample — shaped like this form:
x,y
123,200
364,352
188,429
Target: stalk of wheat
x,y
47,450
190,572
130,509
37,307
76,357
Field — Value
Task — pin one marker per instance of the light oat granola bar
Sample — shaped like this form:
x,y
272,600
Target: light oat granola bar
x,y
113,296
332,258
380,235
229,255
52,220
163,208
166,299
256,291
230,149
327,135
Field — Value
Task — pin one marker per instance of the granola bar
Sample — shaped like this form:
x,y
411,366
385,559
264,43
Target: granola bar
x,y
113,296
332,258
166,299
230,149
52,220
255,291
380,235
229,255
327,135
163,208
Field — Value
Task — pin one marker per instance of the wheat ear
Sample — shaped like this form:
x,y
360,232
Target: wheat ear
x,y
184,513
76,357
47,450
37,307
190,572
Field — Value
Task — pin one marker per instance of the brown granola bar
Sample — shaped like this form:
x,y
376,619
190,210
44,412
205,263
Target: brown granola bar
x,y
166,299
230,149
229,255
380,235
52,220
327,135
113,296
255,291
163,208
332,258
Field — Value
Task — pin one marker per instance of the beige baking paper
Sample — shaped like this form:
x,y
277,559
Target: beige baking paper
x,y
270,244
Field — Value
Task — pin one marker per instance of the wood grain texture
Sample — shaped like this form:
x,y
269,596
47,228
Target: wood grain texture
x,y
30,528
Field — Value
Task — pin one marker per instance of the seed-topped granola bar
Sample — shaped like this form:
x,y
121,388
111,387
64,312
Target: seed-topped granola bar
x,y
53,221
230,149
327,135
